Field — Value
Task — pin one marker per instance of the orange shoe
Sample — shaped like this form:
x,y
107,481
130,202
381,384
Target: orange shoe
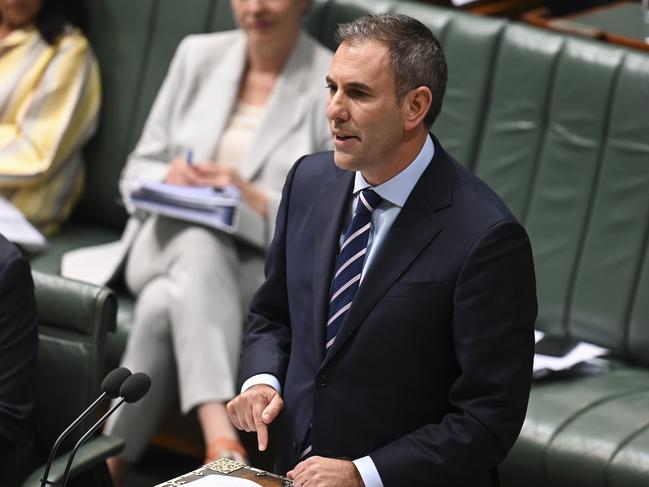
x,y
222,447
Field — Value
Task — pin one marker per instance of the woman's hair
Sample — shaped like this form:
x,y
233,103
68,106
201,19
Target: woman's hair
x,y
55,15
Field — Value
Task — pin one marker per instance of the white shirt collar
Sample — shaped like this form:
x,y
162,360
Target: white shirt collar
x,y
397,189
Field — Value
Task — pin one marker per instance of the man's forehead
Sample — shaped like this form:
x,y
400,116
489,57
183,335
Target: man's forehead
x,y
361,57
362,47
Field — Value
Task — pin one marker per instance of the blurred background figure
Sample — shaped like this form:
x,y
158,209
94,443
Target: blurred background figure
x,y
236,108
49,100
18,366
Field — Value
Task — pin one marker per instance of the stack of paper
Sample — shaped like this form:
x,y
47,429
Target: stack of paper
x,y
195,197
216,208
17,229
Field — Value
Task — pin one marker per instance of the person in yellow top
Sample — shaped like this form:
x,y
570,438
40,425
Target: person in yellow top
x,y
49,100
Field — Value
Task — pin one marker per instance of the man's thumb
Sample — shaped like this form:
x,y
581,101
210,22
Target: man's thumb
x,y
272,410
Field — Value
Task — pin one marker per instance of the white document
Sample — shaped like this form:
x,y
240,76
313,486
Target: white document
x,y
222,481
197,197
581,353
220,217
220,209
17,229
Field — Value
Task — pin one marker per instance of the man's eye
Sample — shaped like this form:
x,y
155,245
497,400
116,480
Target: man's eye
x,y
331,88
357,93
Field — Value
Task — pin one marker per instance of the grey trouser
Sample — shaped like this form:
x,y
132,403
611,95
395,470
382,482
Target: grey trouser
x,y
192,285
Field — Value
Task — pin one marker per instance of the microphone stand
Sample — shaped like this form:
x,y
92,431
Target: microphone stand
x,y
59,440
83,439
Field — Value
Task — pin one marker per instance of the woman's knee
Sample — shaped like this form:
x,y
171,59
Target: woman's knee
x,y
151,318
203,252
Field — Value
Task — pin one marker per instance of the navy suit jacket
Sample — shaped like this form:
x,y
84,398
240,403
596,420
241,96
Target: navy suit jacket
x,y
431,370
18,366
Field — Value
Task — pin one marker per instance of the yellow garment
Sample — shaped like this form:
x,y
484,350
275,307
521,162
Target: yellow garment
x,y
49,101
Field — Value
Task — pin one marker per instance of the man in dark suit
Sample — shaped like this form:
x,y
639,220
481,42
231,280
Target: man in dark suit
x,y
392,341
18,362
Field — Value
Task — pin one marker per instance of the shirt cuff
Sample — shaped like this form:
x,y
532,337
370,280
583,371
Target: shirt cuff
x,y
368,471
268,379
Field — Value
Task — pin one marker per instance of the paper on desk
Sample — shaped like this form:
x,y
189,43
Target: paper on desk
x,y
581,353
222,481
15,228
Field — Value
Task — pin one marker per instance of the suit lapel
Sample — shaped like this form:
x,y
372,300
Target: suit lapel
x,y
219,99
332,205
284,111
418,223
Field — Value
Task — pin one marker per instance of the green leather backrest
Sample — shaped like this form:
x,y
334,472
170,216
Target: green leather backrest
x,y
517,111
567,146
328,14
566,172
610,295
638,338
74,319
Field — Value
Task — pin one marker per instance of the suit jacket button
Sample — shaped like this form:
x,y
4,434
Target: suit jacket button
x,y
321,380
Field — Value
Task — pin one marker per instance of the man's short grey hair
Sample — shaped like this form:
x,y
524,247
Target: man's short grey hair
x,y
416,56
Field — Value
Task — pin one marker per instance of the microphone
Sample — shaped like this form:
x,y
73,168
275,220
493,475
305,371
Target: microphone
x,y
110,387
132,390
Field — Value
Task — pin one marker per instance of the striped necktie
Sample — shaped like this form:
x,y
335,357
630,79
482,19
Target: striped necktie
x,y
349,264
349,267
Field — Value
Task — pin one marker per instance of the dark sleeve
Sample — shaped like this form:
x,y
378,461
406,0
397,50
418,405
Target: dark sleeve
x,y
267,339
18,349
493,328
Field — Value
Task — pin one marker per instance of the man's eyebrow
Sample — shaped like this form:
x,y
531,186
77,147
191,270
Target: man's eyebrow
x,y
357,85
354,85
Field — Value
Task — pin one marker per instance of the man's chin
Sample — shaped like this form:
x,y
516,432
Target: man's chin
x,y
344,161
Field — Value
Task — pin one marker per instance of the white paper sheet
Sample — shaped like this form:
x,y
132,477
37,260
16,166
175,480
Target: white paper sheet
x,y
196,197
15,228
581,353
221,209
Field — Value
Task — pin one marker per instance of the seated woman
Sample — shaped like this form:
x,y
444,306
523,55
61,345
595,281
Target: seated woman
x,y
49,100
246,104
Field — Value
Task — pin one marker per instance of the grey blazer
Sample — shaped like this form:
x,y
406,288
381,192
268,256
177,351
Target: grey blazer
x,y
191,110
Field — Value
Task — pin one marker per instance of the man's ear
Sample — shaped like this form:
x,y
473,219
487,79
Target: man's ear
x,y
415,106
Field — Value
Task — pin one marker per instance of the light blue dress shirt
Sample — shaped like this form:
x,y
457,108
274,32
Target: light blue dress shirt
x,y
395,192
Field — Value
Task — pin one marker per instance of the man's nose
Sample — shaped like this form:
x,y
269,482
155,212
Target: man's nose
x,y
337,109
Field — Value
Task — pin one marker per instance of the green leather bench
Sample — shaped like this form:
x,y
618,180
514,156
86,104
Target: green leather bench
x,y
557,125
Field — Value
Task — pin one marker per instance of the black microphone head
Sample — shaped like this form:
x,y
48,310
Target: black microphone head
x,y
114,380
135,387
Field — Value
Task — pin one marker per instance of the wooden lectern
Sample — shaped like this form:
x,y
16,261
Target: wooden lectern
x,y
230,468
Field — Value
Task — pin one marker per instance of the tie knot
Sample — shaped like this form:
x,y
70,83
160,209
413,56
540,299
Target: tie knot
x,y
368,200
